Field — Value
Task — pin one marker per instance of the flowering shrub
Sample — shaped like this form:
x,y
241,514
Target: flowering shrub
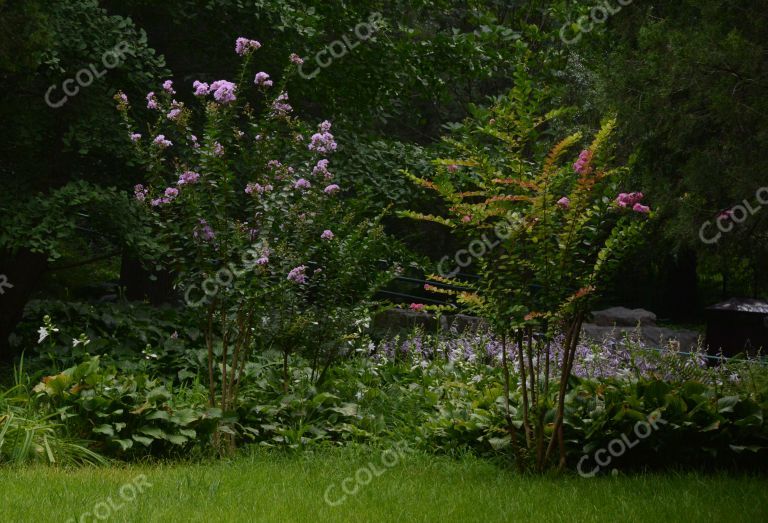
x,y
556,231
243,198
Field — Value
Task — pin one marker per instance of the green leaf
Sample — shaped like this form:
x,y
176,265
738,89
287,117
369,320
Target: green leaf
x,y
143,440
158,414
727,404
104,429
176,439
348,409
184,417
152,431
125,444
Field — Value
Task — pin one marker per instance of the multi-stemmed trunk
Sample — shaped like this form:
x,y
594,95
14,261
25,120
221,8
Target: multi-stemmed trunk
x,y
536,446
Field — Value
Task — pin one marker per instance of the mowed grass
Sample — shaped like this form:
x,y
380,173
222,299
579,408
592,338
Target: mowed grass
x,y
276,487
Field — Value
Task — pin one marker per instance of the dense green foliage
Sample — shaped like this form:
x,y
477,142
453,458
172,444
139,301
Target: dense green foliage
x,y
203,200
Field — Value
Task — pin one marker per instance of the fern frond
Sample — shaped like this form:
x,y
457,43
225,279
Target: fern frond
x,y
601,138
550,164
425,218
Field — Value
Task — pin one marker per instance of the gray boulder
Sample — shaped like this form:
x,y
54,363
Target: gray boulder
x,y
623,317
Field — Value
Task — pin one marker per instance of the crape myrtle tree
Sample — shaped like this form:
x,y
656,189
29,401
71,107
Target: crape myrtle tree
x,y
244,204
561,225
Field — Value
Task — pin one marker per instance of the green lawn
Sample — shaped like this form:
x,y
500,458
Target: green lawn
x,y
276,487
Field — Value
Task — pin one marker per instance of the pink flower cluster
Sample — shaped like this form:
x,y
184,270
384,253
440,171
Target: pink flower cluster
x,y
188,177
323,142
204,232
244,46
301,183
281,107
257,188
581,165
296,59
223,91
332,189
417,307
262,79
322,168
201,88
151,100
168,87
170,194
632,201
298,274
135,137
327,235
140,192
564,202
161,141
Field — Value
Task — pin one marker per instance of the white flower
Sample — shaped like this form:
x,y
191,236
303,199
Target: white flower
x,y
83,340
43,334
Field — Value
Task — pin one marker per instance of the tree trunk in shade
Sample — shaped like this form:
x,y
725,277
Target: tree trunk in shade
x,y
140,284
680,288
20,273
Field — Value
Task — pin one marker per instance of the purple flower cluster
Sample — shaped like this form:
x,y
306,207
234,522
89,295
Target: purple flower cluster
x,y
168,87
281,107
169,195
624,358
204,231
295,59
135,137
301,183
140,192
201,88
223,91
262,79
322,169
332,189
478,347
257,188
244,46
298,274
188,177
327,235
322,142
161,141
151,100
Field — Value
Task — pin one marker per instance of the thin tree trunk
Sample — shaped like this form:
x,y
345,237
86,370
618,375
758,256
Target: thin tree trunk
x,y
521,367
510,426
